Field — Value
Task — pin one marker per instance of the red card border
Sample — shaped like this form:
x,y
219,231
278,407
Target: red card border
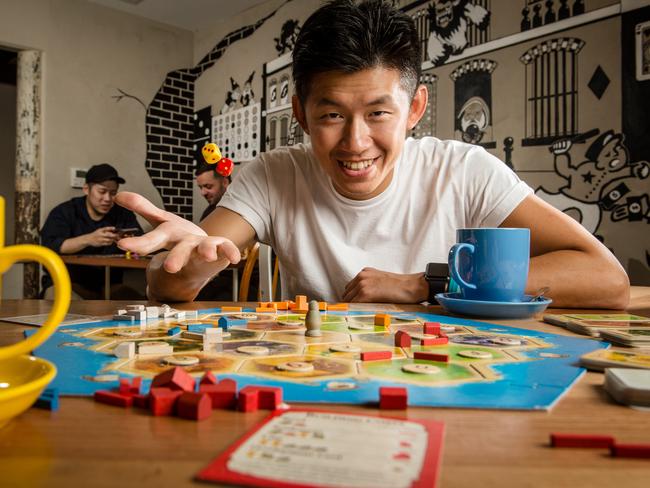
x,y
217,470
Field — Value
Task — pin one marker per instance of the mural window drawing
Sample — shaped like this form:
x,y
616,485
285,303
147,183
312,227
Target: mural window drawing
x,y
273,93
537,13
551,78
473,102
421,19
284,90
273,129
642,34
284,130
427,125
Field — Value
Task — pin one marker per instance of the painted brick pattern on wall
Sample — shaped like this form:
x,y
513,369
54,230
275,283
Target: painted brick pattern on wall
x,y
170,127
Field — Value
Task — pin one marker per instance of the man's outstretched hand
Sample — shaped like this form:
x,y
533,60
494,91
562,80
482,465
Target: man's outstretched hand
x,y
186,241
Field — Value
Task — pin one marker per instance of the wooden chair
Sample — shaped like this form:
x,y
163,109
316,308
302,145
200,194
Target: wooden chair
x,y
268,282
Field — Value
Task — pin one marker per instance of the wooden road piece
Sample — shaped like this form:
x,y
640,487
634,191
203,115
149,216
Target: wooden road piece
x,y
113,398
382,320
376,355
434,341
581,440
630,450
431,356
431,328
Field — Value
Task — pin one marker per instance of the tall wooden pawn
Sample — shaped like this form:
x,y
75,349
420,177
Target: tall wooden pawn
x,y
313,321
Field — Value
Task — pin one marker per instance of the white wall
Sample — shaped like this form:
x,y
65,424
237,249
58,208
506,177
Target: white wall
x,y
12,280
89,52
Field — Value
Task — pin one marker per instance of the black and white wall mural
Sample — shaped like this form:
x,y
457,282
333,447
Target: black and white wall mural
x,y
557,89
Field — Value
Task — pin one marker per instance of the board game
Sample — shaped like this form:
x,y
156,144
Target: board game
x,y
508,368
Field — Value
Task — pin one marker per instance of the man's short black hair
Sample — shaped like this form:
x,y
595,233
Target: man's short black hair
x,y
204,168
349,37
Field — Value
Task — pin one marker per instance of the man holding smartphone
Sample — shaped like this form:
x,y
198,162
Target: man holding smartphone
x,y
90,224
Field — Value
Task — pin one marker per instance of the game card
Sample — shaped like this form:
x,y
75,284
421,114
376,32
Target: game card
x,y
607,358
310,448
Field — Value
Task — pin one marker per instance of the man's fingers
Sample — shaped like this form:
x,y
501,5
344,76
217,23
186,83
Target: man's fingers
x,y
214,248
141,206
179,256
146,244
351,294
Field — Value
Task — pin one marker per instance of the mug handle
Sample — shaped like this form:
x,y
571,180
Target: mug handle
x,y
53,263
454,254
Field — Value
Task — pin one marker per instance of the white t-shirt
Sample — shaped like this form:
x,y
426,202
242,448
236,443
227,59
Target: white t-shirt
x,y
323,239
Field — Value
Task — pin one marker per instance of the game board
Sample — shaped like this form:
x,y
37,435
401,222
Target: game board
x,y
526,369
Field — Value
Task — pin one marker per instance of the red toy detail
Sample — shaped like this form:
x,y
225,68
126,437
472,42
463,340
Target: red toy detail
x,y
376,355
631,450
224,167
163,400
393,398
435,341
402,339
223,394
581,440
248,399
175,378
208,379
431,328
431,356
194,406
113,398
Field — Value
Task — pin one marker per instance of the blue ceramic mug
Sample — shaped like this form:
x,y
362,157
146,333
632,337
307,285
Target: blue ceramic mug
x,y
491,264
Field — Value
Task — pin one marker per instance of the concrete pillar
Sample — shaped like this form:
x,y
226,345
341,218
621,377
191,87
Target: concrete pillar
x,y
28,160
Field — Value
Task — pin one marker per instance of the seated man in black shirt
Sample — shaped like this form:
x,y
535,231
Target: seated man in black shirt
x,y
91,225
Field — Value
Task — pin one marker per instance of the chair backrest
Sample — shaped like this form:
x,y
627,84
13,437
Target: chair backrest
x,y
245,281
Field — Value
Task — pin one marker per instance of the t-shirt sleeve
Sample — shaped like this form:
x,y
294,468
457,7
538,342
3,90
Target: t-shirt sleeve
x,y
493,189
57,228
248,195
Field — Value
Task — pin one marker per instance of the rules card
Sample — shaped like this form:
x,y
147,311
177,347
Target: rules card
x,y
313,448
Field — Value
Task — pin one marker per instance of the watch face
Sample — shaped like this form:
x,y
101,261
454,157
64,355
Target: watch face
x,y
436,270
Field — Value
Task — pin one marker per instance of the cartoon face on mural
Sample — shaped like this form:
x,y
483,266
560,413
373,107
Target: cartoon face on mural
x,y
232,97
288,35
606,161
448,22
474,119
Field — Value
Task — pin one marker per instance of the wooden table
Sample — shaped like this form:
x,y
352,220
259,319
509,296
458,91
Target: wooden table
x,y
120,261
91,444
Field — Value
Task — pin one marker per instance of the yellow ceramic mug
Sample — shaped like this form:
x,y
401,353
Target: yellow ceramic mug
x,y
22,378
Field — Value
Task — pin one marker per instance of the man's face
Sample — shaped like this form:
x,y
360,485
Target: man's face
x,y
212,187
100,196
358,123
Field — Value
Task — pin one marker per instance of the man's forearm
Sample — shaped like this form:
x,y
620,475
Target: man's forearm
x,y
74,245
183,286
578,279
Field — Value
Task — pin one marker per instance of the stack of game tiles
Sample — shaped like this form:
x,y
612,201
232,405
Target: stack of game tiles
x,y
600,359
594,324
629,386
627,337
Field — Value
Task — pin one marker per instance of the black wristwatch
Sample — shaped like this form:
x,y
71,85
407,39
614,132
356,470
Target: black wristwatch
x,y
437,276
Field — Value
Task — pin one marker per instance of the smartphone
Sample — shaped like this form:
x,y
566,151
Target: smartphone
x,y
122,233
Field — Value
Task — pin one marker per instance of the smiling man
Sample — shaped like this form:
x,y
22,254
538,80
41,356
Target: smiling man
x,y
358,213
91,224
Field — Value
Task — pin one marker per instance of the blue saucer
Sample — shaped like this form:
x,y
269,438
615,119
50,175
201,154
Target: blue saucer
x,y
455,303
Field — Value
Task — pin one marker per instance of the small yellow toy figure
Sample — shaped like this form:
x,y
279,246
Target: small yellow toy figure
x,y
212,155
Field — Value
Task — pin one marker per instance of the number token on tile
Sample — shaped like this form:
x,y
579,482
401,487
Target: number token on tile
x,y
474,354
181,360
420,368
289,323
296,367
253,350
151,344
246,316
418,337
345,348
507,341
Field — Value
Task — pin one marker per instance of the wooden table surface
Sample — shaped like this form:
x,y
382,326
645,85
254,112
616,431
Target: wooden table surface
x,y
113,261
91,444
